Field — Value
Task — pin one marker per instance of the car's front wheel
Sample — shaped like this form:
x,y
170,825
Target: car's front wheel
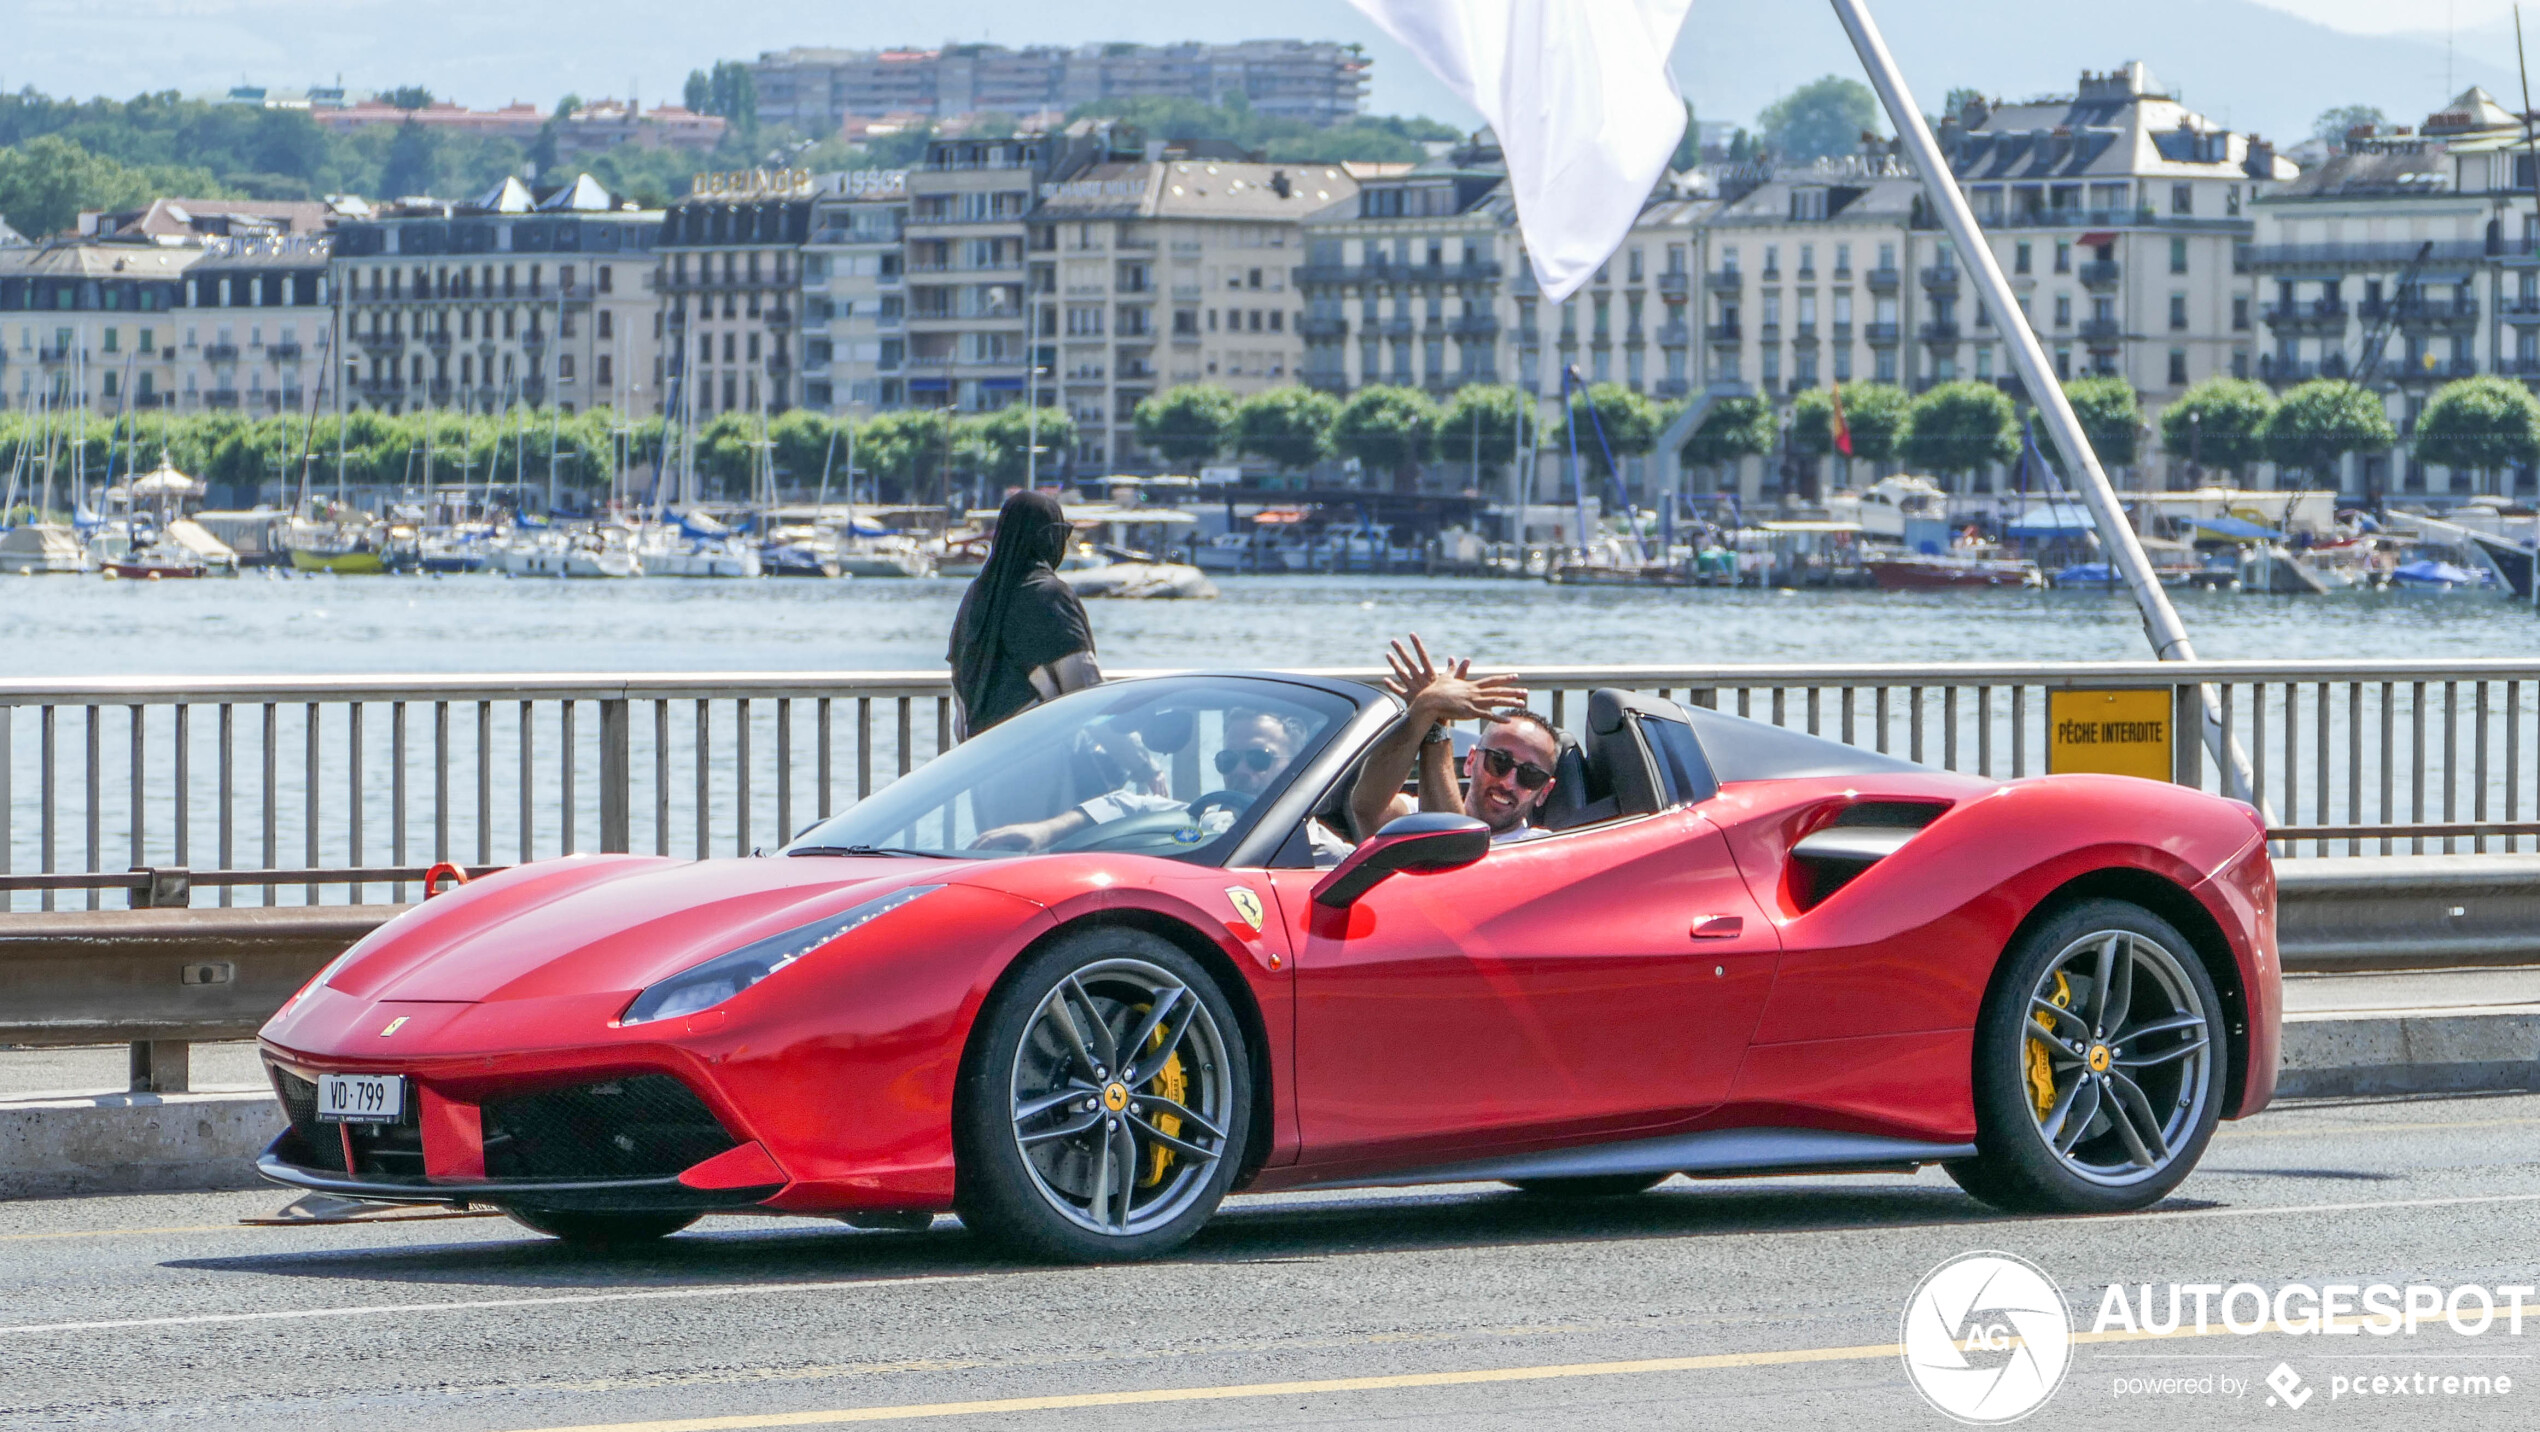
x,y
601,1230
1105,1104
2099,1065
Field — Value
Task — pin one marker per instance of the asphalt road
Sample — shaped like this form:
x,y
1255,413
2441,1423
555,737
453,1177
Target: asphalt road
x,y
1750,1304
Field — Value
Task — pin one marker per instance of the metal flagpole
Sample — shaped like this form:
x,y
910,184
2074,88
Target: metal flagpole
x,y
2125,551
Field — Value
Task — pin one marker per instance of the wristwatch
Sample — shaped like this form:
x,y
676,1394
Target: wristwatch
x,y
1437,733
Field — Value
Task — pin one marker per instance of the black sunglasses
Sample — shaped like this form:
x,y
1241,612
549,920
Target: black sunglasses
x,y
1260,758
1499,763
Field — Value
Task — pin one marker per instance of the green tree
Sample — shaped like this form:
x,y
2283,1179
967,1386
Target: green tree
x,y
2480,423
1188,425
2333,125
408,97
1875,412
698,94
1823,117
413,162
1628,421
1961,427
1480,423
1391,430
46,182
2109,417
802,439
1001,442
908,451
1958,101
1735,428
1812,422
1282,140
2220,422
1288,427
2317,424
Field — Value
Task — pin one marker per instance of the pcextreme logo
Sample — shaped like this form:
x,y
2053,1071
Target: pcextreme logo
x,y
1987,1338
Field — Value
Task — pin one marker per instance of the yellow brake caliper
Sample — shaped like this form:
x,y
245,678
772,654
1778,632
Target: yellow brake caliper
x,y
2041,1071
1170,1082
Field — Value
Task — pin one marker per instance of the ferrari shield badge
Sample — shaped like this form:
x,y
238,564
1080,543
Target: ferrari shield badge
x,y
1247,904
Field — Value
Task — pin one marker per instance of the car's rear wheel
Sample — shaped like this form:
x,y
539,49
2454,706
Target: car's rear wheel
x,y
601,1230
2098,1065
1612,1185
1105,1104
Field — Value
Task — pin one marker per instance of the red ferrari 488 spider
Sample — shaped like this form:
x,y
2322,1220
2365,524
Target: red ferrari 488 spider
x,y
1080,977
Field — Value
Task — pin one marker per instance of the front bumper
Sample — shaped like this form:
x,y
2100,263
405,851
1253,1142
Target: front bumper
x,y
288,1161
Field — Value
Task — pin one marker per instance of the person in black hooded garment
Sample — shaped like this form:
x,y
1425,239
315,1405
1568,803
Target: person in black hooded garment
x,y
1021,636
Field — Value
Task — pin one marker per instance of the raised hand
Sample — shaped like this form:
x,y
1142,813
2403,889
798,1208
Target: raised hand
x,y
1447,691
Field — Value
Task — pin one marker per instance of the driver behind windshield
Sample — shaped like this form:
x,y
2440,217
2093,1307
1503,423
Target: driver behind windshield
x,y
1256,751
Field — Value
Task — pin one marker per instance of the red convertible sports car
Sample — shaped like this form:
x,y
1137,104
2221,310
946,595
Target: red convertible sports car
x,y
1083,975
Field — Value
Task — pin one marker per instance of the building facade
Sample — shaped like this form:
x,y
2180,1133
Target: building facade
x,y
124,326
855,294
1166,273
519,299
815,90
2406,261
729,273
966,269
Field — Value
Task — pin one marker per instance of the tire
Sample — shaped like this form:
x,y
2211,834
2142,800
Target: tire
x,y
601,1230
2076,1116
1612,1185
1062,1156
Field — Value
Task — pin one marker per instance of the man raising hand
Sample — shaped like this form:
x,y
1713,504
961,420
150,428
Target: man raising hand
x,y
1508,773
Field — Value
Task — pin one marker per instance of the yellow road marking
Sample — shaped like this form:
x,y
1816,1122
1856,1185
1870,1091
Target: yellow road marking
x,y
1468,1377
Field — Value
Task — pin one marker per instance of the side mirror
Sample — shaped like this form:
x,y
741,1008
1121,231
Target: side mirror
x,y
1421,844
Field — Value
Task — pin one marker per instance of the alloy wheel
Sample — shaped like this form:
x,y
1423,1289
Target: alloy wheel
x,y
1120,1097
2118,1059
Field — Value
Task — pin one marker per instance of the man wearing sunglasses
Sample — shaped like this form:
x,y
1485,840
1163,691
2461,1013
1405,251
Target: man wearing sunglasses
x,y
1256,751
1507,774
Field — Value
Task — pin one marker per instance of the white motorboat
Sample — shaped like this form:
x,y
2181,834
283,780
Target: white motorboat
x,y
669,552
887,556
39,548
562,554
1107,571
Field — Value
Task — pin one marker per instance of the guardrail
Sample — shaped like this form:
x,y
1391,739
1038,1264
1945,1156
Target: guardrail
x,y
161,979
327,789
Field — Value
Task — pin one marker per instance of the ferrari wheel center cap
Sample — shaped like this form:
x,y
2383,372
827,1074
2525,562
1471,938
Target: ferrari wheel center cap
x,y
1115,1097
2099,1059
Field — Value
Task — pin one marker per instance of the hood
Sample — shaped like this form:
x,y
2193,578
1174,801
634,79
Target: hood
x,y
589,923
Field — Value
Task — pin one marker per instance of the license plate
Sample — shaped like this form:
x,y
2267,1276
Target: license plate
x,y
360,1098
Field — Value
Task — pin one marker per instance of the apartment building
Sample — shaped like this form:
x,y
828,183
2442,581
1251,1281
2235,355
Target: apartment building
x,y
123,326
520,298
1149,274
966,266
1413,280
727,267
2407,261
855,298
816,90
2117,214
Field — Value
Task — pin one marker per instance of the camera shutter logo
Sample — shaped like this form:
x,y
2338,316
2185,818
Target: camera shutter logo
x,y
1987,1338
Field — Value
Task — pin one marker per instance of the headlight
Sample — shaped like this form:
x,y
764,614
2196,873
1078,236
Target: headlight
x,y
707,985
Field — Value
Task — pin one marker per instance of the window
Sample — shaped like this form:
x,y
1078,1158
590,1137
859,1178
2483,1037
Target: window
x,y
604,370
2063,256
1772,261
2178,312
1807,260
2240,313
2178,255
111,336
2063,310
2182,198
1843,261
2020,253
2064,363
2178,367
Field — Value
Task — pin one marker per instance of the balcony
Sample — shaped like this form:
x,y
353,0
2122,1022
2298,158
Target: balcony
x,y
440,391
1474,326
218,353
1939,334
1529,336
1477,271
2101,332
1318,326
221,398
1392,327
1326,381
1941,277
1769,332
2318,313
2422,313
1674,282
2430,369
1882,279
1668,388
1884,335
535,340
63,355
2272,369
2518,367
438,338
2099,273
1674,335
2519,310
1723,333
779,317
1727,280
284,352
1842,334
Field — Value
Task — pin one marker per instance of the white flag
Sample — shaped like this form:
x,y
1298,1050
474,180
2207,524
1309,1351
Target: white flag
x,y
1580,97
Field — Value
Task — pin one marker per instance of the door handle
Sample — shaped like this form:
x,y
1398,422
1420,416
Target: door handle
x,y
1719,927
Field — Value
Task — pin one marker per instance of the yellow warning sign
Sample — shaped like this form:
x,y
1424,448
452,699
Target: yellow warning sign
x,y
2117,733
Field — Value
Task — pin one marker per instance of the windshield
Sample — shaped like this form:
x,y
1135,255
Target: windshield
x,y
1164,767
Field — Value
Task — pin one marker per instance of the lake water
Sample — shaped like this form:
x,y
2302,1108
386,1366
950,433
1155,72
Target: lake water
x,y
259,625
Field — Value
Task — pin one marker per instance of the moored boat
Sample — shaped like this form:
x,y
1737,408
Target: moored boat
x,y
1917,571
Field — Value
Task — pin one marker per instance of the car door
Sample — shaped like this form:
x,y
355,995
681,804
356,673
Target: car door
x,y
1557,990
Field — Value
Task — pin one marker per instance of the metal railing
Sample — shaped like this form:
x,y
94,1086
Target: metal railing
x,y
308,791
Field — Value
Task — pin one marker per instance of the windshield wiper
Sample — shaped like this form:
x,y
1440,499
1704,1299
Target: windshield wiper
x,y
866,850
